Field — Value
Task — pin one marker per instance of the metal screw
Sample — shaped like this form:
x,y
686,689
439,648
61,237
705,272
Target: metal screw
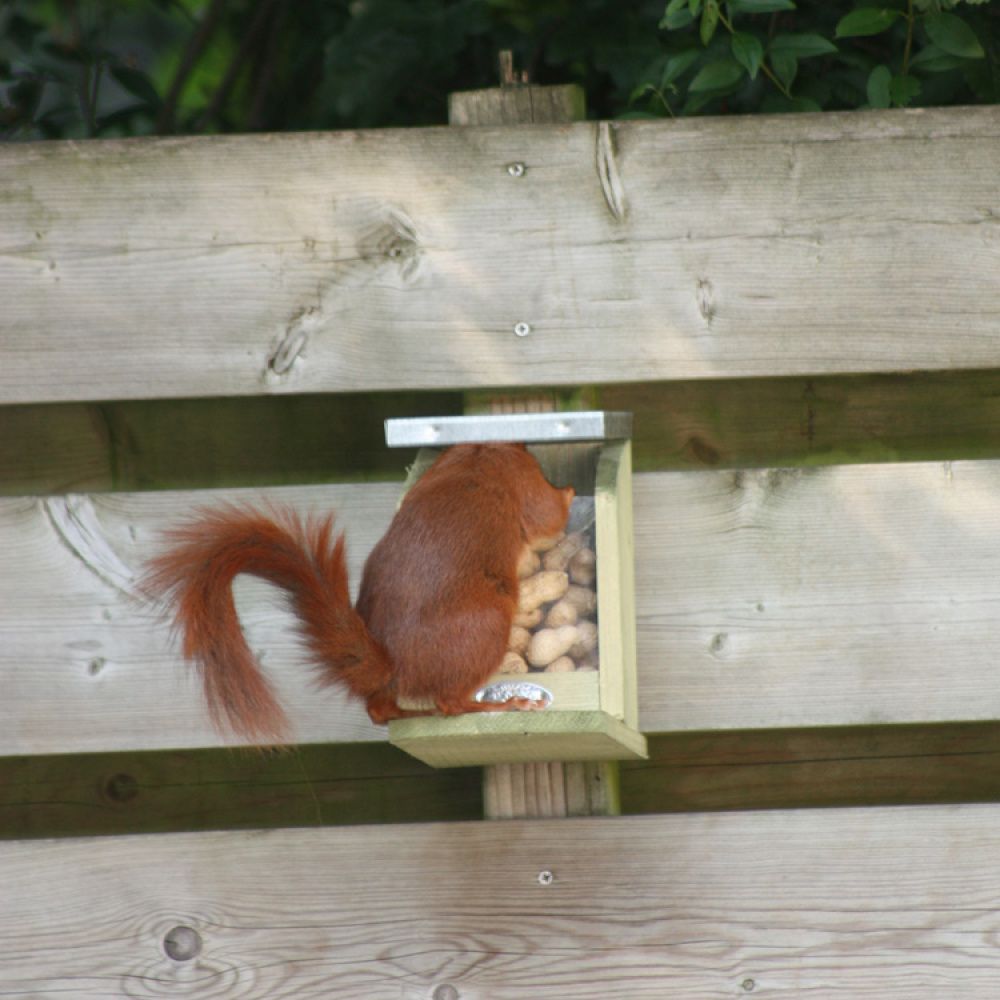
x,y
445,992
515,169
546,877
748,985
522,329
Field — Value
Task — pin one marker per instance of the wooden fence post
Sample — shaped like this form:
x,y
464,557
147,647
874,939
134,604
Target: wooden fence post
x,y
512,791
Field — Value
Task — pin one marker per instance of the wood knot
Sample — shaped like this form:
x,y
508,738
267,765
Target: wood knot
x,y
121,787
182,943
607,171
700,452
704,295
397,240
294,340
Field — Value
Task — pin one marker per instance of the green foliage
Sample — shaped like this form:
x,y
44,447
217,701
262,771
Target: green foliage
x,y
80,68
62,76
808,56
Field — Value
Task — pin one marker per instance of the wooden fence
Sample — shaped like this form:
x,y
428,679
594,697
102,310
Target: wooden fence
x,y
804,314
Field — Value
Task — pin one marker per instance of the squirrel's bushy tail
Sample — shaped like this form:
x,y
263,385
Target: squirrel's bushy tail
x,y
196,574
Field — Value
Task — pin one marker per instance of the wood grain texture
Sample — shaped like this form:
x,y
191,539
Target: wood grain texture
x,y
87,664
839,904
831,596
405,258
350,783
844,595
616,582
218,789
519,104
913,764
702,424
516,737
536,787
830,420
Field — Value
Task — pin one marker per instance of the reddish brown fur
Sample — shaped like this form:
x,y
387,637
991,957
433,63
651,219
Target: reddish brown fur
x,y
436,601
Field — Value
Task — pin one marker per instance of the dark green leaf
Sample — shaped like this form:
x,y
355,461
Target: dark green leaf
x,y
984,79
136,83
760,6
67,53
675,19
902,89
677,65
952,34
677,14
803,104
934,59
21,31
25,96
709,22
785,68
878,87
866,21
748,51
800,46
641,91
696,101
718,75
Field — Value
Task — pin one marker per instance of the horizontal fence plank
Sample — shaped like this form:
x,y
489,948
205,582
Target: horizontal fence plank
x,y
76,795
407,258
876,903
795,768
350,783
842,595
197,443
88,664
702,424
836,595
837,419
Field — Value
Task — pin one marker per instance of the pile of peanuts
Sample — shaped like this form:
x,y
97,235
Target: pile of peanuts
x,y
555,627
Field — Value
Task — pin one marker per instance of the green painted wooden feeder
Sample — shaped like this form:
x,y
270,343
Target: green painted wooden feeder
x,y
593,713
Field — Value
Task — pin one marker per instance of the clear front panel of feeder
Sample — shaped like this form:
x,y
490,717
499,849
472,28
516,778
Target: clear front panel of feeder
x,y
555,629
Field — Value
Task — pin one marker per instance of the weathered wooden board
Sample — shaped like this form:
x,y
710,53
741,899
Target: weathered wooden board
x,y
86,663
843,595
792,768
827,596
350,783
219,789
407,258
706,423
842,904
837,419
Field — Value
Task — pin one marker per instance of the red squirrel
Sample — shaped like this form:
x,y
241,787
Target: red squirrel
x,y
435,606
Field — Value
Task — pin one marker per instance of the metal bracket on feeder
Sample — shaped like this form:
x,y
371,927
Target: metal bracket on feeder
x,y
540,428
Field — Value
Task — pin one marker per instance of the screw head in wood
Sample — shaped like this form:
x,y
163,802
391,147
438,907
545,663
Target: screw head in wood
x,y
515,169
522,329
546,877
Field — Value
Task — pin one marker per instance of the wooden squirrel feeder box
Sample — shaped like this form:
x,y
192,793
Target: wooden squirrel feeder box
x,y
585,661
